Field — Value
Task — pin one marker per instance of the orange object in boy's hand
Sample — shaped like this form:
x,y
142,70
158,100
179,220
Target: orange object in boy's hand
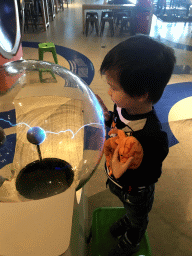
x,y
128,152
118,168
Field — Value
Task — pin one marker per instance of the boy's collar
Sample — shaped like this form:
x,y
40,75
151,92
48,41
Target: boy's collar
x,y
133,122
129,117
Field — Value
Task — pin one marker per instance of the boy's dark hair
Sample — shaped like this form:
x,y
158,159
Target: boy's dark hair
x,y
143,66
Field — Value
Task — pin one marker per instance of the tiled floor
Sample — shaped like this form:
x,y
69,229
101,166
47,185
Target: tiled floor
x,y
170,222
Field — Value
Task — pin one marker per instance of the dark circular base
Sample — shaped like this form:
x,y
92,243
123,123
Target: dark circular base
x,y
45,178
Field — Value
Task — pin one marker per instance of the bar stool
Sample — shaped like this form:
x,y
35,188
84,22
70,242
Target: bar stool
x,y
125,24
118,17
66,2
61,5
102,240
30,14
51,6
107,16
92,18
47,47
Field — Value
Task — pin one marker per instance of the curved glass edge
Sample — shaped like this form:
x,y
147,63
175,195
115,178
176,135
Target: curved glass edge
x,y
33,65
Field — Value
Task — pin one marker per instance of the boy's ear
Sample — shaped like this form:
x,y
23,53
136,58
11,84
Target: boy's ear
x,y
144,97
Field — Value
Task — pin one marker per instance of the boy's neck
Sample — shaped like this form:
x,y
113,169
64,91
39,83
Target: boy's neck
x,y
140,110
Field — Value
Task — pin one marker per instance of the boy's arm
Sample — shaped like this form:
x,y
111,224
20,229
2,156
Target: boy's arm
x,y
155,151
106,112
118,168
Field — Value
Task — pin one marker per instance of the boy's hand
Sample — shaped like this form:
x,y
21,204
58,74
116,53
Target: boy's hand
x,y
119,168
105,110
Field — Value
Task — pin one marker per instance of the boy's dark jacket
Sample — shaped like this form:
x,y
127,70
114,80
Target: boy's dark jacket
x,y
147,129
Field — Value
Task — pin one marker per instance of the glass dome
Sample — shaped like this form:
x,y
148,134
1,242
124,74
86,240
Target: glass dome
x,y
52,132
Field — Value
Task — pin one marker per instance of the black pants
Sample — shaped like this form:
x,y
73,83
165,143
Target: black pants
x,y
137,207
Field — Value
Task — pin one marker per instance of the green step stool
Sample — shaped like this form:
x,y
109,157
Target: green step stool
x,y
102,241
41,70
47,47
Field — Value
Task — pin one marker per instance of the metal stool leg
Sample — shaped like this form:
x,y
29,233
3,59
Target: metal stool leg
x,y
102,27
97,27
87,27
111,27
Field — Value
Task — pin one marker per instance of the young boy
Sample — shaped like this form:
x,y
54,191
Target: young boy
x,y
137,71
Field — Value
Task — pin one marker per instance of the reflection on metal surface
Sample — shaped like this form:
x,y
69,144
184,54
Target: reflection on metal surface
x,y
9,28
78,195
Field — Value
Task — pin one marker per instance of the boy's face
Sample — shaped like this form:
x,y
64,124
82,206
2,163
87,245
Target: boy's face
x,y
117,94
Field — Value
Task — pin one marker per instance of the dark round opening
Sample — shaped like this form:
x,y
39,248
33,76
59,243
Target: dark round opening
x,y
45,178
